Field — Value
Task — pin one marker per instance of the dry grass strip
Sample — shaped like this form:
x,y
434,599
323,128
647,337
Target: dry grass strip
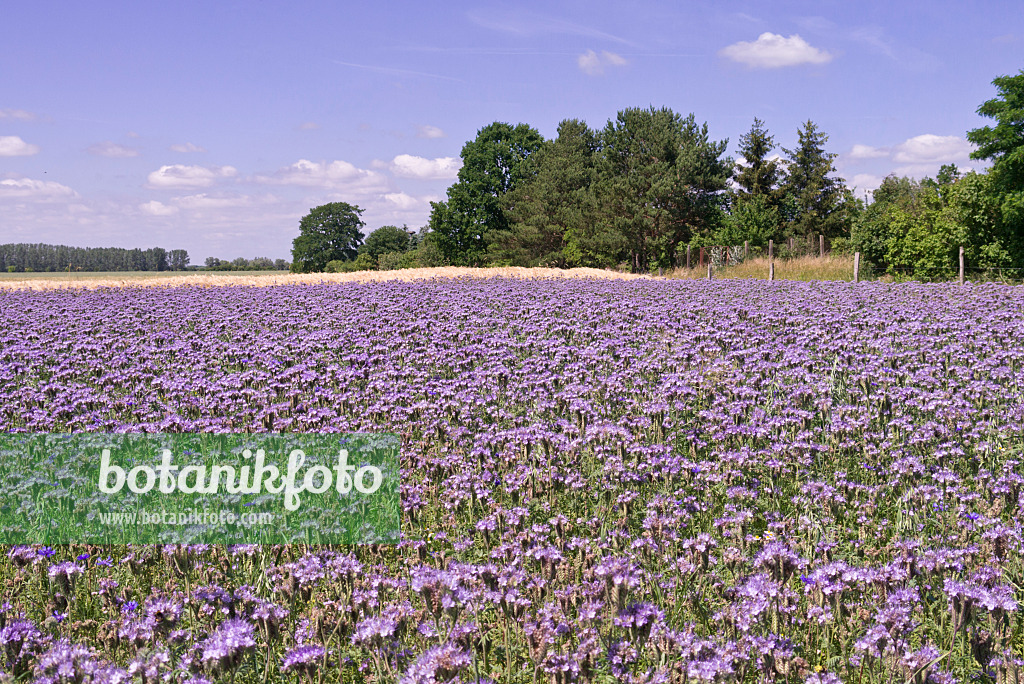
x,y
217,280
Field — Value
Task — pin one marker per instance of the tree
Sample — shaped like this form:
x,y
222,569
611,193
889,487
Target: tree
x,y
329,232
817,197
554,213
753,218
261,264
385,240
872,233
759,175
915,229
177,260
155,259
492,165
1004,143
661,183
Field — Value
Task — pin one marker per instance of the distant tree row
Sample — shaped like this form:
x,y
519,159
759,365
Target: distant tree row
x,y
243,264
21,257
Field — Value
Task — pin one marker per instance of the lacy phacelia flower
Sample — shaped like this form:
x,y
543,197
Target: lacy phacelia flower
x,y
224,649
303,659
438,664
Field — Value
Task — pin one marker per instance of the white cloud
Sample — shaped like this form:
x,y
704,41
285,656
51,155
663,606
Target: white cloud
x,y
772,51
865,182
915,157
13,146
403,201
113,150
777,158
17,115
429,132
35,190
875,38
926,149
529,23
187,147
816,24
204,201
155,208
868,152
181,176
594,64
932,149
330,176
409,166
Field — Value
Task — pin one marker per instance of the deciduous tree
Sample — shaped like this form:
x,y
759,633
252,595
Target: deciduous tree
x,y
327,233
493,164
385,240
1004,142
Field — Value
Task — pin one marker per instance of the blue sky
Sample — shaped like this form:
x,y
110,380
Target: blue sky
x,y
215,126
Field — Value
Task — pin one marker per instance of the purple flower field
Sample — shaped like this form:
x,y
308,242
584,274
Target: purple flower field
x,y
638,481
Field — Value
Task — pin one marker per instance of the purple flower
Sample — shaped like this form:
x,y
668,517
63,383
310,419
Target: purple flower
x,y
66,662
223,650
438,664
19,639
304,659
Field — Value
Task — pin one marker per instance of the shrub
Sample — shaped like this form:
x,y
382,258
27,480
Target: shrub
x,y
428,255
393,261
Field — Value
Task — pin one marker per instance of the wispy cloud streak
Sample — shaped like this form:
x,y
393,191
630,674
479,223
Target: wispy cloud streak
x,y
390,71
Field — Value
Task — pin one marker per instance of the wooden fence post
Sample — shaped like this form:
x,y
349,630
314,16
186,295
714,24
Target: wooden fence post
x,y
771,260
746,249
821,245
961,264
659,271
688,256
856,267
709,269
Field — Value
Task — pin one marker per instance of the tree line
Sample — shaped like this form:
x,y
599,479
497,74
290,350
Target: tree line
x,y
915,228
331,240
243,264
22,257
637,192
650,183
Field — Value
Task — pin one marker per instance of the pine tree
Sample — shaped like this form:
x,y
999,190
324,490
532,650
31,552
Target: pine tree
x,y
759,175
816,198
